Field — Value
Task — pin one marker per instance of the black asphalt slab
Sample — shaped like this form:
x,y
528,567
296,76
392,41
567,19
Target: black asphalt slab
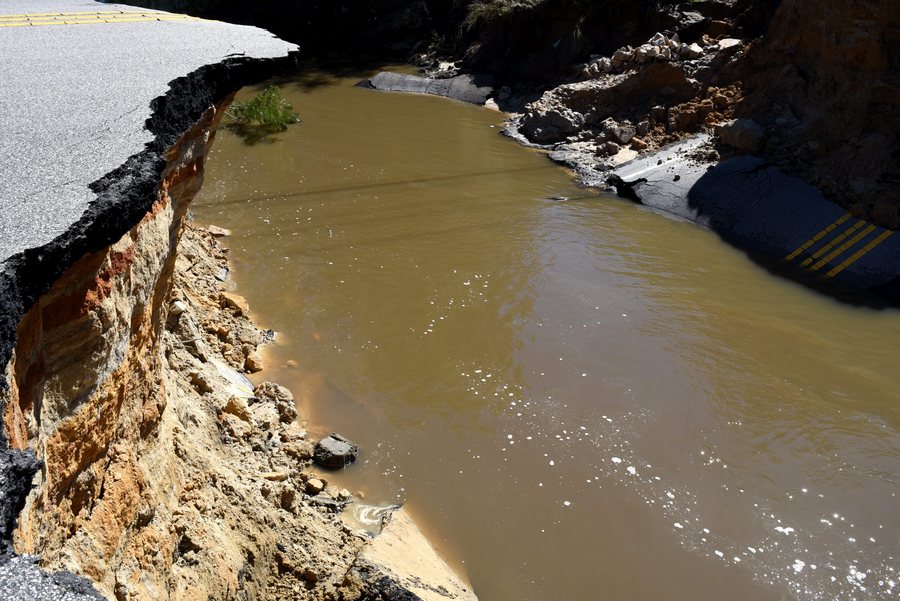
x,y
474,89
758,207
78,81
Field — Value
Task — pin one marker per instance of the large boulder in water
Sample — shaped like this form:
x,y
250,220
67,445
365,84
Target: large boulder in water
x,y
335,452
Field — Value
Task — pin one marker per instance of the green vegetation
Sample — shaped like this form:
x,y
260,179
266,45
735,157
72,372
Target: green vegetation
x,y
269,110
486,11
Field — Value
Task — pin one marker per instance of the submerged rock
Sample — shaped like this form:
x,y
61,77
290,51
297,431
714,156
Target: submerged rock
x,y
335,452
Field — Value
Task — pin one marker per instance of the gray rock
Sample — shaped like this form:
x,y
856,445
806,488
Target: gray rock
x,y
607,149
335,452
621,57
691,51
554,124
729,45
743,134
619,133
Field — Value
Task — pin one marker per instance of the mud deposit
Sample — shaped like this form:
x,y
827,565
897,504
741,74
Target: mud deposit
x,y
573,405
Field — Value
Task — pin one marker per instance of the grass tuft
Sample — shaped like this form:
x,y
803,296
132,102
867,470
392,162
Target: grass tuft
x,y
269,109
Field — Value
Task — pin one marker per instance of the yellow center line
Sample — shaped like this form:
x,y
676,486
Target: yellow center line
x,y
818,237
859,254
75,21
834,242
66,17
108,12
849,244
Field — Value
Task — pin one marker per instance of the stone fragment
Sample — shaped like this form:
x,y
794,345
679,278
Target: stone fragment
x,y
234,301
607,149
729,45
551,124
691,51
335,452
281,397
314,486
743,134
218,232
236,427
301,450
200,382
265,416
717,29
288,495
643,128
237,407
620,133
310,575
253,362
293,433
275,476
621,57
659,40
177,308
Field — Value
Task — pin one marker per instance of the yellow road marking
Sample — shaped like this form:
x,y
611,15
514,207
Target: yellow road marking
x,y
843,247
859,254
818,237
87,18
834,242
108,12
146,19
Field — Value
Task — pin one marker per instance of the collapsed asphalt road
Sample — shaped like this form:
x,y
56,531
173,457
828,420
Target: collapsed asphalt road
x,y
93,96
756,206
77,93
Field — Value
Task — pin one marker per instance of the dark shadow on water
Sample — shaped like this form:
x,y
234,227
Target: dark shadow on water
x,y
329,70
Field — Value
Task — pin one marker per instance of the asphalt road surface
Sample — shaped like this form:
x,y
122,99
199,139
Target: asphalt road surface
x,y
77,81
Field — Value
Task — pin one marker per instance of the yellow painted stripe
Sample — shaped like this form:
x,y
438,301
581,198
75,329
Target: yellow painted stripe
x,y
818,237
834,242
842,248
97,21
80,16
108,12
859,254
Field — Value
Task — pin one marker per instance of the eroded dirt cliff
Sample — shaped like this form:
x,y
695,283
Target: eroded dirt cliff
x,y
138,456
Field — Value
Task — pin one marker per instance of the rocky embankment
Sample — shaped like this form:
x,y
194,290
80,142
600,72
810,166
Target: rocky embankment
x,y
636,101
816,95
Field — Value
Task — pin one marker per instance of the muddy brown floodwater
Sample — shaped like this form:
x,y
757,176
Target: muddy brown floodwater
x,y
578,398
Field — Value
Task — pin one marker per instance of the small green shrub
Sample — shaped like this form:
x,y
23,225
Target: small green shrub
x,y
269,110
